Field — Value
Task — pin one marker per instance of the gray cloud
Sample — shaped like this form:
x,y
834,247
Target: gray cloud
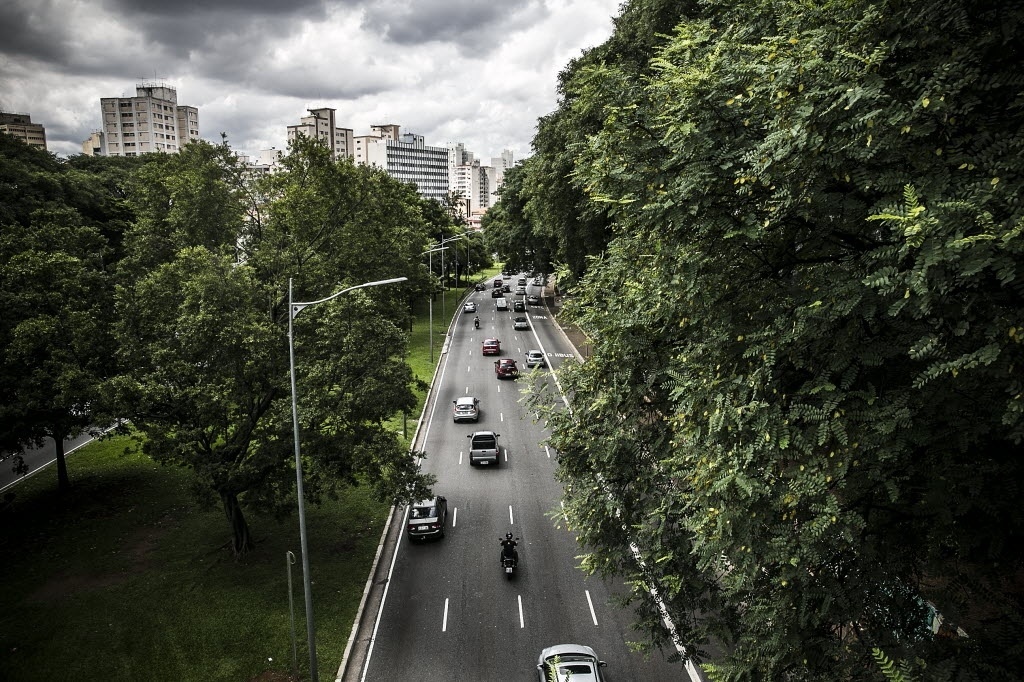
x,y
451,70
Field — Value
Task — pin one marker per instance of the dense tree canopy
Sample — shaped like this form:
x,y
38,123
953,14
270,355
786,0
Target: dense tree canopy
x,y
203,319
804,404
60,229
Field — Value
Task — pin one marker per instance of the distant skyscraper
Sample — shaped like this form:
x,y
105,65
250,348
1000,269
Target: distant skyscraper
x,y
22,127
152,121
321,125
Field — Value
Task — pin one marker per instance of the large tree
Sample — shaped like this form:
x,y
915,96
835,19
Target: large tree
x,y
59,227
203,326
804,403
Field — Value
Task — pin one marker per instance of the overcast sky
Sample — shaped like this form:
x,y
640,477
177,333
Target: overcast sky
x,y
474,71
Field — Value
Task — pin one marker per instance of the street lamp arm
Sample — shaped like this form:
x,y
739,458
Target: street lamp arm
x,y
296,307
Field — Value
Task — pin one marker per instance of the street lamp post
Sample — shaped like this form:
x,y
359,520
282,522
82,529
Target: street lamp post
x,y
430,298
294,308
444,282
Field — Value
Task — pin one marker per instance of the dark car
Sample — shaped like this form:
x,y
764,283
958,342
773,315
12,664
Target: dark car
x,y
479,286
506,368
506,289
497,292
533,300
427,519
518,306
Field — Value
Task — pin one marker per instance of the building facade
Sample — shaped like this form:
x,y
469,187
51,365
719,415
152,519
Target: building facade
x,y
152,121
321,125
22,127
406,157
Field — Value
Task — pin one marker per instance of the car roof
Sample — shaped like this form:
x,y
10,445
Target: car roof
x,y
533,352
563,650
465,400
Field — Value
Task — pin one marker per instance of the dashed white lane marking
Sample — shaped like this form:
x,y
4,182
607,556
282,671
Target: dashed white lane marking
x,y
589,601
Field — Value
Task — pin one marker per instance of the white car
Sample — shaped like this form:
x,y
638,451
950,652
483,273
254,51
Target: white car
x,y
571,661
534,358
470,307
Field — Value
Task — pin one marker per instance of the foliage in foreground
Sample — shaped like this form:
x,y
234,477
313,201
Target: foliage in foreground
x,y
804,403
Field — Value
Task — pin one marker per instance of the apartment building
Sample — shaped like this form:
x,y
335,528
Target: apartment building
x,y
321,125
152,121
22,127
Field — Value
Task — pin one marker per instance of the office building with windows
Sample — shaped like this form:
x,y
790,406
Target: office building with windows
x,y
151,121
406,157
22,127
321,125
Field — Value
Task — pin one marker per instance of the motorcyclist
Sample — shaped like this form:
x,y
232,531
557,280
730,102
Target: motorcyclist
x,y
508,549
476,321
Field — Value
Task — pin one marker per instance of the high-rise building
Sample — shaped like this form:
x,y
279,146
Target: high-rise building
x,y
321,125
405,157
22,127
152,121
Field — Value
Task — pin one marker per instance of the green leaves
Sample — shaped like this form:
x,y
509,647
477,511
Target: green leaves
x,y
813,364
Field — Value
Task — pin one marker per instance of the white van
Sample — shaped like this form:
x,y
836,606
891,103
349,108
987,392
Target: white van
x,y
501,304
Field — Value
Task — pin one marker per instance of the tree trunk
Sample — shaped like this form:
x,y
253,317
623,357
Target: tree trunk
x,y
241,541
63,482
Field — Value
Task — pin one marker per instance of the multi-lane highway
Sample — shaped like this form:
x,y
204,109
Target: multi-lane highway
x,y
448,612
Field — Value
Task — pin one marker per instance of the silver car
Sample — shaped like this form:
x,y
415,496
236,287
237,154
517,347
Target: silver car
x,y
520,324
574,662
534,358
467,409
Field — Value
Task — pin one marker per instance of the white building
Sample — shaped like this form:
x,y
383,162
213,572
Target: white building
x,y
22,127
405,157
321,125
152,121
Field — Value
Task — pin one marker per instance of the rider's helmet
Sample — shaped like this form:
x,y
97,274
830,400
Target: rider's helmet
x,y
508,536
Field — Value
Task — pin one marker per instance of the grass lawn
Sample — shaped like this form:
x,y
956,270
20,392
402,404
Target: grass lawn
x,y
126,579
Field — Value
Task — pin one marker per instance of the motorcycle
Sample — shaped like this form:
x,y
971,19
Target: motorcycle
x,y
509,557
476,322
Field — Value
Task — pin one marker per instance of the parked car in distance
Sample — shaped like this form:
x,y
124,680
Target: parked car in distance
x,y
518,306
469,307
520,323
483,447
427,519
506,368
501,304
575,661
533,300
534,358
467,409
480,286
491,347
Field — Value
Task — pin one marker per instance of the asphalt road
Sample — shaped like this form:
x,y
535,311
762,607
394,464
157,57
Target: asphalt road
x,y
449,612
37,459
